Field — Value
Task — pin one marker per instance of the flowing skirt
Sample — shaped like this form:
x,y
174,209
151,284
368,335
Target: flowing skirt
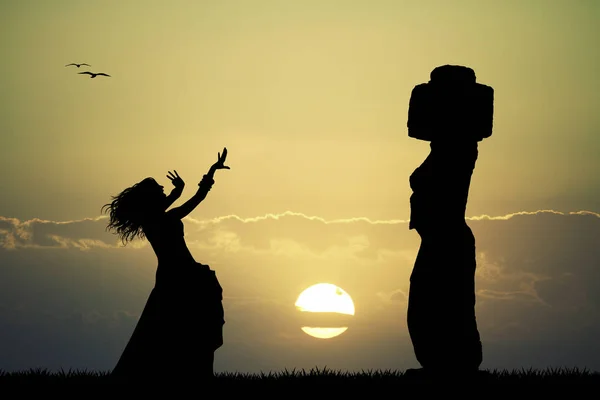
x,y
178,332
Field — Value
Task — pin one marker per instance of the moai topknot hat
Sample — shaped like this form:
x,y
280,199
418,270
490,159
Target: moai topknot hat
x,y
452,106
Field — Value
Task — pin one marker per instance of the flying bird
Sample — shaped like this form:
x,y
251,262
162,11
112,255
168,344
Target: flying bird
x,y
78,65
93,74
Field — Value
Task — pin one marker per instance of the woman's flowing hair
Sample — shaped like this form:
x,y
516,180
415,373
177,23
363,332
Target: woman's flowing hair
x,y
127,212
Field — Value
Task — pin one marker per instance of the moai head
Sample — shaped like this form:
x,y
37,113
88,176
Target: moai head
x,y
452,106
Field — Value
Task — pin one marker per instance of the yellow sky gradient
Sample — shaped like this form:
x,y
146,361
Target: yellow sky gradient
x,y
309,97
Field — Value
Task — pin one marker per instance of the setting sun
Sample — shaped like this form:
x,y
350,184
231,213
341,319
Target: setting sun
x,y
325,298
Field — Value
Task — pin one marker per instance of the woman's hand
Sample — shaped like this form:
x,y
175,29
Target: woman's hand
x,y
177,190
176,180
220,164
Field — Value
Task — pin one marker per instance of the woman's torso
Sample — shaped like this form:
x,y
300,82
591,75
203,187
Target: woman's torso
x,y
166,236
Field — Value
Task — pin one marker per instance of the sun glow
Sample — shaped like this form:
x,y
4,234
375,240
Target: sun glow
x,y
325,298
323,333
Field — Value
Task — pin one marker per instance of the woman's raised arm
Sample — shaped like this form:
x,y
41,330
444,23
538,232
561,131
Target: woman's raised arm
x,y
203,188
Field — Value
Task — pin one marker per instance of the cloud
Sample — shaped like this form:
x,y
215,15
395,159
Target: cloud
x,y
81,234
538,212
397,295
537,282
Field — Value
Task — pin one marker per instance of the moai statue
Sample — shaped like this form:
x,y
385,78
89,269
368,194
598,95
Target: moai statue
x,y
453,112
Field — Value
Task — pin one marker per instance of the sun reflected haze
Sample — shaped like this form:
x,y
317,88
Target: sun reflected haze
x,y
329,299
324,333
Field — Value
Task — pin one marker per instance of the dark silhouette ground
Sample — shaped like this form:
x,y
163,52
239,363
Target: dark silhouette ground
x,y
314,381
454,113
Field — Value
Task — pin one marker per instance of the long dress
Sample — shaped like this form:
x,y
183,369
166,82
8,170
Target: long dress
x,y
441,306
181,325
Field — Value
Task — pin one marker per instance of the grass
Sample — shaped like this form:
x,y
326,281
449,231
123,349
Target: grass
x,y
319,378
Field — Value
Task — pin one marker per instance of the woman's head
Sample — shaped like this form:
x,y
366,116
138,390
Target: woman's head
x,y
133,207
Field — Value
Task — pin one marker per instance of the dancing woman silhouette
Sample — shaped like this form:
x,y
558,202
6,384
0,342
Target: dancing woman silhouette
x,y
181,325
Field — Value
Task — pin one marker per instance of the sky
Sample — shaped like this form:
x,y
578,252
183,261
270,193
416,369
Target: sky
x,y
310,98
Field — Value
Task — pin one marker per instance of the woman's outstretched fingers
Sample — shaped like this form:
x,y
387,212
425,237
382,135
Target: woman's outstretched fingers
x,y
222,158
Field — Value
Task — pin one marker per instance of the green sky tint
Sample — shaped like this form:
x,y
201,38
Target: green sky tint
x,y
310,97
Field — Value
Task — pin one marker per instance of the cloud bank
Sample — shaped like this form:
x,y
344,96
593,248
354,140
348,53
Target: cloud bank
x,y
70,293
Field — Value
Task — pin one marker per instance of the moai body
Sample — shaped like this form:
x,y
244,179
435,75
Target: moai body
x,y
454,113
